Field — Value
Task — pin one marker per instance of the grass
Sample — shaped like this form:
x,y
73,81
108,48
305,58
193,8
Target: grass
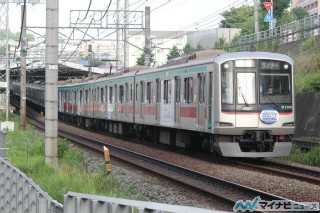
x,y
310,158
26,152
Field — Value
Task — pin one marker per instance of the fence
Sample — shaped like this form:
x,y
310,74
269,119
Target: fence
x,y
293,31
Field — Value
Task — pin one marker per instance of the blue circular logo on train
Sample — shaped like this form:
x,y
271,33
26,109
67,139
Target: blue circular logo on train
x,y
269,116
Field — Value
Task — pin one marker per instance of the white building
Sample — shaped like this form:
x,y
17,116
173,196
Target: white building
x,y
161,44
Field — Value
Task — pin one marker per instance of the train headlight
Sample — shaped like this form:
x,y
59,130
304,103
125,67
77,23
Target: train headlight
x,y
226,66
286,66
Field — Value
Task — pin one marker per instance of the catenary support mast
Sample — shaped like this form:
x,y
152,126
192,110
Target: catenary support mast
x,y
51,85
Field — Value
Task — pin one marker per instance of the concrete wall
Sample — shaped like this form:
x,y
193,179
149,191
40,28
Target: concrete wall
x,y
307,115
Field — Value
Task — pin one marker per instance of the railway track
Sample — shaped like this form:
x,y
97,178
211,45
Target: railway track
x,y
279,169
227,191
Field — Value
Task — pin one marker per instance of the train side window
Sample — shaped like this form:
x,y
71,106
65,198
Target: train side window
x,y
80,97
121,94
149,92
178,84
201,79
75,96
131,93
110,94
188,90
158,92
126,93
167,92
142,92
86,96
101,94
136,92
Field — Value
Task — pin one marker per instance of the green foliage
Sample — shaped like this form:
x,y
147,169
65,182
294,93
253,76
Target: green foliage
x,y
311,158
220,43
187,49
26,152
309,43
174,52
308,83
141,59
300,13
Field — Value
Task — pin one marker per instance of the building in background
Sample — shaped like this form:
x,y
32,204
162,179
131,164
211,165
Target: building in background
x,y
163,41
312,6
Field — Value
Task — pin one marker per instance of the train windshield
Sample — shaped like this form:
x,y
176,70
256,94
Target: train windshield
x,y
275,82
255,82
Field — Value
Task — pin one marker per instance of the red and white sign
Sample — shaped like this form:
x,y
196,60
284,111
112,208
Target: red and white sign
x,y
268,5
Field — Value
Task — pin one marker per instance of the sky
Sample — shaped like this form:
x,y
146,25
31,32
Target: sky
x,y
172,15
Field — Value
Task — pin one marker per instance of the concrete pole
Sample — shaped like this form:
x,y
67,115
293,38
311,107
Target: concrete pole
x,y
7,65
256,16
147,52
51,85
23,72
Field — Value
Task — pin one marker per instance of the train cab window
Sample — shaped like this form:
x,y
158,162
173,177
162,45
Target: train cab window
x,y
188,90
121,94
227,83
149,93
246,85
167,92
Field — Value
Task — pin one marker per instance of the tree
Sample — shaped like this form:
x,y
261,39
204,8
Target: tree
x,y
174,52
236,17
300,13
220,43
187,49
279,10
141,59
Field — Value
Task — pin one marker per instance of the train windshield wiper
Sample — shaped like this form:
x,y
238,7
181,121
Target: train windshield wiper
x,y
244,97
275,103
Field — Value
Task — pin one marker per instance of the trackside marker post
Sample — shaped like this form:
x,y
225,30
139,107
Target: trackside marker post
x,y
107,158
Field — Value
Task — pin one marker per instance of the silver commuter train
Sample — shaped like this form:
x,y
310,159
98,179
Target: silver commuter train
x,y
236,104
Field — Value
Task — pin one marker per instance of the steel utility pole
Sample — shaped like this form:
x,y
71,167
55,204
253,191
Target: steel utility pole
x,y
51,86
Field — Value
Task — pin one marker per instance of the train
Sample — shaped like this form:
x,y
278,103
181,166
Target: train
x,y
238,104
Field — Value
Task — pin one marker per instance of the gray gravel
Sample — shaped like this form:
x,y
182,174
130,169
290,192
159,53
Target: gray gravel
x,y
151,188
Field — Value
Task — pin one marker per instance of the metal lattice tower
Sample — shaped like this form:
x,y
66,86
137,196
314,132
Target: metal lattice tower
x,y
4,91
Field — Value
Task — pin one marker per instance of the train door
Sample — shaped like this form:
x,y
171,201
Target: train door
x,y
177,101
201,101
158,100
166,106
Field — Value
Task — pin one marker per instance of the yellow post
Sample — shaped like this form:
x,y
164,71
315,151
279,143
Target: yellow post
x,y
107,158
71,147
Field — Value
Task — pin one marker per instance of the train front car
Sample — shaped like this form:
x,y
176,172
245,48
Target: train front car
x,y
256,114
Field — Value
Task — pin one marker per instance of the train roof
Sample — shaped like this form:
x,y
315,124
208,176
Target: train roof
x,y
252,55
